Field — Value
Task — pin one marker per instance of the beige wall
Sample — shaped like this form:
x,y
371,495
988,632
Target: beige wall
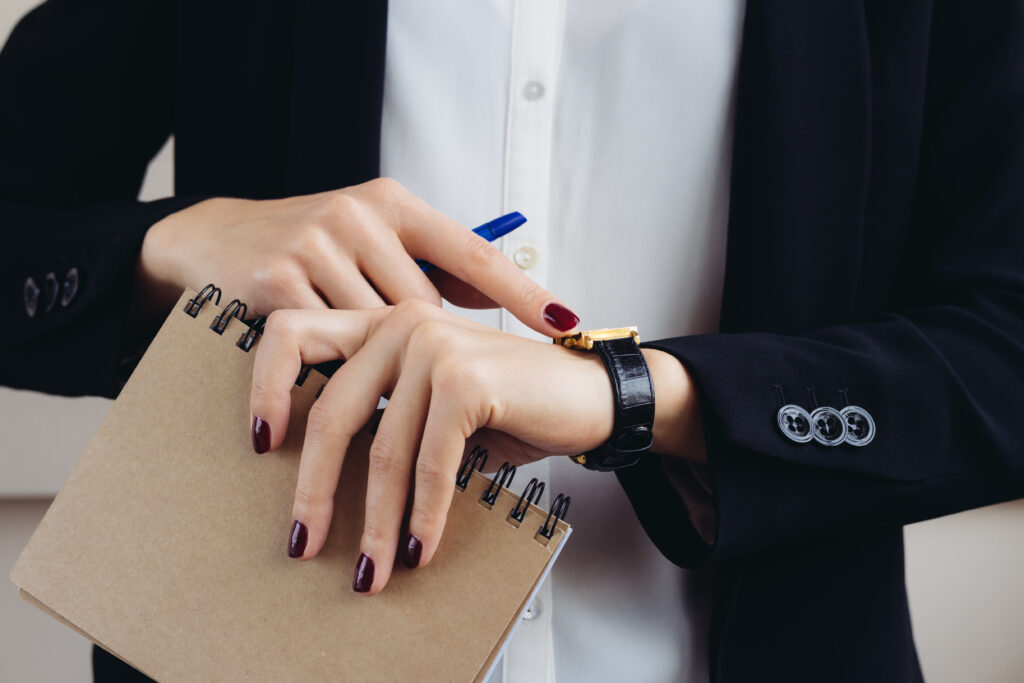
x,y
965,573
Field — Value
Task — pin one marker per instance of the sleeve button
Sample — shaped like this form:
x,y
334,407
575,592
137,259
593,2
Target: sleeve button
x,y
860,426
30,297
795,423
70,287
50,291
829,426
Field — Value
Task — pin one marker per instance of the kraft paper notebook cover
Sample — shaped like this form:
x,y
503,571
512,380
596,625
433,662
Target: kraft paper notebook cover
x,y
166,545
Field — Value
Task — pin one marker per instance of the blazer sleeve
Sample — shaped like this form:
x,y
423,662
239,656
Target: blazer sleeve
x,y
944,380
86,99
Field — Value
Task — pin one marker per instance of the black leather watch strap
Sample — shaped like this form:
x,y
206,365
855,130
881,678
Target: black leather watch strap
x,y
633,433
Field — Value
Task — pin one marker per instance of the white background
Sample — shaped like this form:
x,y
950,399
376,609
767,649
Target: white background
x,y
965,573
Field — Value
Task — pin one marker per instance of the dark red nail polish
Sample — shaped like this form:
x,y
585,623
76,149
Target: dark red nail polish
x,y
413,550
364,574
560,317
297,539
260,435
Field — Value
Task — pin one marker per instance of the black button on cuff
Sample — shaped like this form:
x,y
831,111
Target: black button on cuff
x,y
860,426
829,426
30,297
795,423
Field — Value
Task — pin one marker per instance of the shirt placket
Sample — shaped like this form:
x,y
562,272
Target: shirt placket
x,y
536,49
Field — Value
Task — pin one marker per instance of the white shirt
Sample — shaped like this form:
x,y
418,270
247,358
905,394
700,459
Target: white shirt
x,y
608,124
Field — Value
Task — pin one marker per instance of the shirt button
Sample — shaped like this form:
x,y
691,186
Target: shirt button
x,y
532,611
30,297
525,257
533,90
70,287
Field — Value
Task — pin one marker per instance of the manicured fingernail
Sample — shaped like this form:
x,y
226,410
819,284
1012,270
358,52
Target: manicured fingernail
x,y
297,539
260,435
364,574
560,317
413,549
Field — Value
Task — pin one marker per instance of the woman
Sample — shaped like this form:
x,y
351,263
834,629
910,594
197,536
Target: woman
x,y
860,272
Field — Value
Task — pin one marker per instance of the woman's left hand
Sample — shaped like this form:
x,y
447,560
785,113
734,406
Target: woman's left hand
x,y
447,378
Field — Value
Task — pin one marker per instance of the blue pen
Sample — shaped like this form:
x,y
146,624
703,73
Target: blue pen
x,y
489,231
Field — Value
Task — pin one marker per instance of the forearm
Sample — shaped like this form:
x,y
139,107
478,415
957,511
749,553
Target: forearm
x,y
101,243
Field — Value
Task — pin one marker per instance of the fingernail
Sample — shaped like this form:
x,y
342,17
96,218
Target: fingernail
x,y
297,539
260,435
413,549
364,574
560,317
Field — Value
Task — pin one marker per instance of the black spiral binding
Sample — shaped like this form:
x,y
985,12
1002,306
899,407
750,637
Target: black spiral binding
x,y
476,460
235,309
501,479
248,337
196,304
531,494
558,511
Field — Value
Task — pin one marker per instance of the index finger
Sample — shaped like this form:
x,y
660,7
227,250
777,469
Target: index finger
x,y
291,339
452,247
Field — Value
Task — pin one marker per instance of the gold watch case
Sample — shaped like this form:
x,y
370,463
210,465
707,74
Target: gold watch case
x,y
584,341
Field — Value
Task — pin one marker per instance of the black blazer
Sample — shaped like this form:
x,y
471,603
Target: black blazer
x,y
876,249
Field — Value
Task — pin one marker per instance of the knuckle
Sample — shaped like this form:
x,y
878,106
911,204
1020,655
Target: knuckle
x,y
430,335
480,253
427,522
407,315
281,323
311,242
374,534
383,459
460,376
320,419
261,395
388,188
309,500
338,206
528,291
414,311
279,280
429,474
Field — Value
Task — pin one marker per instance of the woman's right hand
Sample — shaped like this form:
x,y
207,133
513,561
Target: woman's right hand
x,y
352,248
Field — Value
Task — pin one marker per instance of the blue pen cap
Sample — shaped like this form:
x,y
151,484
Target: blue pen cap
x,y
500,226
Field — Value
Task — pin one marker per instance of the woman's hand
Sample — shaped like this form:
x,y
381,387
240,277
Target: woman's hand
x,y
448,379
347,249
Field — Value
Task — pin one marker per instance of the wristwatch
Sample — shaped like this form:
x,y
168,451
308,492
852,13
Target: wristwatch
x,y
633,433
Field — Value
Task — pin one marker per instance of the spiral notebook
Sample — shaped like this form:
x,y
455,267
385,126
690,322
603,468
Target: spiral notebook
x,y
166,545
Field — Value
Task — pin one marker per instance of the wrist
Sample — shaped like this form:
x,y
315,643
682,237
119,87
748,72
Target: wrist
x,y
678,427
158,279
